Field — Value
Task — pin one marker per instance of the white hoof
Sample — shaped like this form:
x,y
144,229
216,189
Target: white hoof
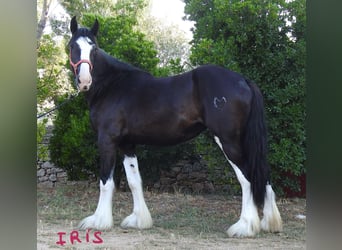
x,y
138,222
96,222
243,228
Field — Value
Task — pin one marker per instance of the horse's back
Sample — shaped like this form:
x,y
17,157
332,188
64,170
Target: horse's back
x,y
214,80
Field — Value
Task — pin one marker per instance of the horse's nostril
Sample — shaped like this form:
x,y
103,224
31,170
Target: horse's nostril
x,y
85,88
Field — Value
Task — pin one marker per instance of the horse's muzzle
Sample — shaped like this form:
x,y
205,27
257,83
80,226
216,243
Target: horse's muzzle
x,y
83,86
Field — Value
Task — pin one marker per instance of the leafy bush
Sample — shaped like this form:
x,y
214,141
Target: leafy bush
x,y
42,149
72,146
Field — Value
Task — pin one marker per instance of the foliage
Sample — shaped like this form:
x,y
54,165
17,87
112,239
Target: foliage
x,y
169,39
172,67
264,41
42,150
49,67
72,146
79,7
51,82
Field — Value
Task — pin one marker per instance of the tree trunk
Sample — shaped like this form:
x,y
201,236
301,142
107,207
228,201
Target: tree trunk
x,y
43,18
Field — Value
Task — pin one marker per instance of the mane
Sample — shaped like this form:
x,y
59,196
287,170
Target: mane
x,y
116,71
120,65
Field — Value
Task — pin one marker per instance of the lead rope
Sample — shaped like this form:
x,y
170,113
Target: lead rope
x,y
59,105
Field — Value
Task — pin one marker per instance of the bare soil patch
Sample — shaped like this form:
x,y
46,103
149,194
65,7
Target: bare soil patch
x,y
181,221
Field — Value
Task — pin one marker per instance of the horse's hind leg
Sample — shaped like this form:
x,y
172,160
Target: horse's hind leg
x,y
140,217
249,223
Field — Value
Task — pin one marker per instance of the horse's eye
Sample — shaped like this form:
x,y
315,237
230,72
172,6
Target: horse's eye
x,y
90,42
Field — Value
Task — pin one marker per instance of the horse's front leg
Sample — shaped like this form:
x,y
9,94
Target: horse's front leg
x,y
102,218
140,217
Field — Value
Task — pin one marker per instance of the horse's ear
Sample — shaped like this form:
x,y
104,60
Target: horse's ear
x,y
73,25
95,27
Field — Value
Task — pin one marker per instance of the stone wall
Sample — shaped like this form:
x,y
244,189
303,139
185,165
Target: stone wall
x,y
187,177
49,175
184,177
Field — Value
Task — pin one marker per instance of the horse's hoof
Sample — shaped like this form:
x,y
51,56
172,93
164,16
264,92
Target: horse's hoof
x,y
132,221
242,228
95,222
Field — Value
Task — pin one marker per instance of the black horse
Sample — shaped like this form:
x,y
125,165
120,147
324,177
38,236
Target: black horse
x,y
129,106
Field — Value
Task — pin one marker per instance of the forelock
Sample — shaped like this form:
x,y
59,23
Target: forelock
x,y
82,32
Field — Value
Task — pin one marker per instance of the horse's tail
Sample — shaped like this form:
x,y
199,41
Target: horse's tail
x,y
255,147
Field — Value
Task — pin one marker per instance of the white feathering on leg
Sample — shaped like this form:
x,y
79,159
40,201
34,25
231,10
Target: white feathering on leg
x,y
141,217
271,221
249,223
102,218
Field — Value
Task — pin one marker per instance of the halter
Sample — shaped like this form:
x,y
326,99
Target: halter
x,y
75,65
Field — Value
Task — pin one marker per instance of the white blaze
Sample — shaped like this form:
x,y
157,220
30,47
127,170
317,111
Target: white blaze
x,y
84,73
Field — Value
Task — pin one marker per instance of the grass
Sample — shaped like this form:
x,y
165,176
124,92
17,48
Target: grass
x,y
187,215
205,216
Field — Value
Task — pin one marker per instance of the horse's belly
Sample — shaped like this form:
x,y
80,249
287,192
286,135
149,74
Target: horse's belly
x,y
166,135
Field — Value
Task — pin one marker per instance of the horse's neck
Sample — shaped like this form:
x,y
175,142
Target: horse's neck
x,y
102,64
107,74
105,70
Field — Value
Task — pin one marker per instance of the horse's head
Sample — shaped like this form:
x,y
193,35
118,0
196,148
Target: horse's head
x,y
82,47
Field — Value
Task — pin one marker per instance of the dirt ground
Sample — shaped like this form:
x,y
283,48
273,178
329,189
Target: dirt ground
x,y
181,221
